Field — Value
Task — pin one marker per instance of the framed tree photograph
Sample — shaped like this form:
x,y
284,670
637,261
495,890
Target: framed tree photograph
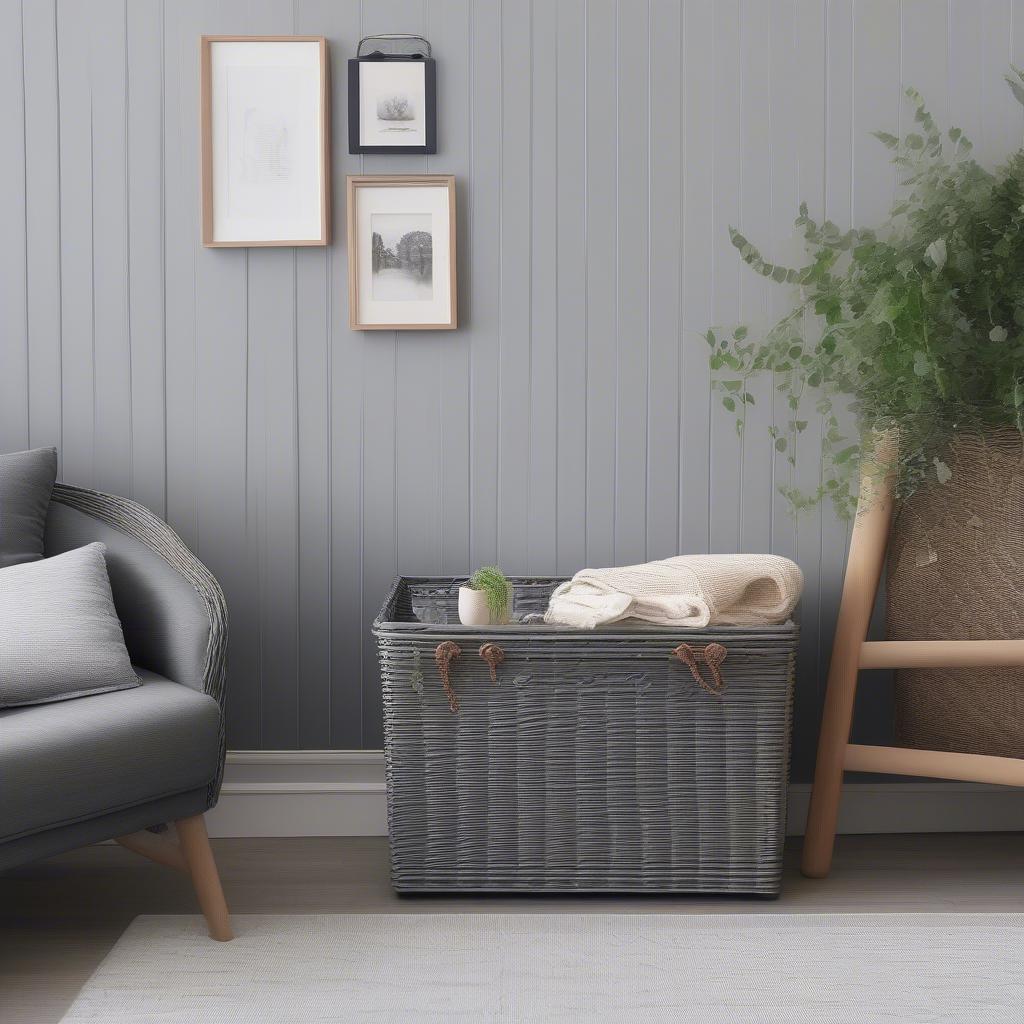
x,y
392,100
265,116
401,252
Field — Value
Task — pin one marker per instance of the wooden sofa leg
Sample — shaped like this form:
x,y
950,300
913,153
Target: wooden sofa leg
x,y
195,845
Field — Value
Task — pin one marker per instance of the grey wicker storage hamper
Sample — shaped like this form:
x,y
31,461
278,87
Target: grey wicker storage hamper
x,y
591,761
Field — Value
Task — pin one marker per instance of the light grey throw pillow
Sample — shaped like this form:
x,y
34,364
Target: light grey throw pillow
x,y
60,636
26,482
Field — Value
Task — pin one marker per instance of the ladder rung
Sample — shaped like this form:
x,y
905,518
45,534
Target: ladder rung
x,y
941,653
935,764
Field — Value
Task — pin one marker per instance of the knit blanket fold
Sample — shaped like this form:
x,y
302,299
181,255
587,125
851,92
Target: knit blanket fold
x,y
688,590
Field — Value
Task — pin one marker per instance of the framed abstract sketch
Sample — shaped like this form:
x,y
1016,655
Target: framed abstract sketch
x,y
392,99
265,119
401,252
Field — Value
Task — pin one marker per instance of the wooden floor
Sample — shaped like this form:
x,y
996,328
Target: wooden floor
x,y
59,918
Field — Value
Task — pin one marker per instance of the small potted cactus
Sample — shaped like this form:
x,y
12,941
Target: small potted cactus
x,y
486,599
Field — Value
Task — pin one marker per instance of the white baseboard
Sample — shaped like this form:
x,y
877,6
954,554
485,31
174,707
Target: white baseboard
x,y
301,793
341,793
870,807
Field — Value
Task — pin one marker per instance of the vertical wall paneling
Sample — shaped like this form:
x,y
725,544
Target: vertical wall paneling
x,y
313,474
38,40
484,262
231,412
634,112
571,252
111,359
820,123
1000,111
515,346
183,23
601,149
699,183
346,351
757,84
541,490
726,479
665,123
418,441
272,446
601,240
450,29
14,365
144,171
77,296
791,183
312,437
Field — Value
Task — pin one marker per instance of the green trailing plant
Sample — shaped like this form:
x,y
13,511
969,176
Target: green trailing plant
x,y
496,587
921,322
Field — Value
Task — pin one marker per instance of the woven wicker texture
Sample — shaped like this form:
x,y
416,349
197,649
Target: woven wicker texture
x,y
955,572
594,762
137,521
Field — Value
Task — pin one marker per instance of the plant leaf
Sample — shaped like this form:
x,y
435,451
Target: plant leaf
x,y
1016,88
936,252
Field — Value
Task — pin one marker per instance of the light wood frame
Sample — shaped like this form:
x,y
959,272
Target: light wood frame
x,y
355,181
206,142
193,855
852,651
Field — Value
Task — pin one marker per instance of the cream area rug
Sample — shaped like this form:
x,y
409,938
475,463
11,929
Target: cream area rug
x,y
555,969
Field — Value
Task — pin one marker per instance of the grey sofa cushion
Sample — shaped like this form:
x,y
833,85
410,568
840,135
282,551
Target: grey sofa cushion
x,y
26,481
73,760
60,636
165,623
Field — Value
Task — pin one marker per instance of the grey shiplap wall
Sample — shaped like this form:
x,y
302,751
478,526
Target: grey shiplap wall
x,y
601,150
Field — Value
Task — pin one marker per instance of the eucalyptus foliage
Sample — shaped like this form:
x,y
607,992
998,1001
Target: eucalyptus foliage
x,y
920,322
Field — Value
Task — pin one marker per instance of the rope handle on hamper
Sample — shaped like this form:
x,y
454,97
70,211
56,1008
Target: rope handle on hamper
x,y
713,655
445,654
494,656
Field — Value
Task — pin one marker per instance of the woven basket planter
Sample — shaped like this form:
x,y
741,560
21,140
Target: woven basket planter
x,y
542,758
956,572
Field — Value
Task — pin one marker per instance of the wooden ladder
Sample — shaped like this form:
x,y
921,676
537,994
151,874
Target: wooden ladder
x,y
852,651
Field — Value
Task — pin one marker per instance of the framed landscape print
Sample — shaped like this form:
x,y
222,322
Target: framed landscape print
x,y
401,252
265,115
392,104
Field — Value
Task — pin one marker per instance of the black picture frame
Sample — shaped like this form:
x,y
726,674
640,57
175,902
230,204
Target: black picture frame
x,y
430,104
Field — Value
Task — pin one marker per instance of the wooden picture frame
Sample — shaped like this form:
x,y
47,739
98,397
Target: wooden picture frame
x,y
390,285
360,106
247,163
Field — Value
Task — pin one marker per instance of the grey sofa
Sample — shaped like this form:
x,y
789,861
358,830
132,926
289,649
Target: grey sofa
x,y
114,765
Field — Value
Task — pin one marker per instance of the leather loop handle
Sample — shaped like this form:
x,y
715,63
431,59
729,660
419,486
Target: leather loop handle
x,y
494,656
713,656
445,654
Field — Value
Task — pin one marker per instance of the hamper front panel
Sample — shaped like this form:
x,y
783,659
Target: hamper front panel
x,y
591,762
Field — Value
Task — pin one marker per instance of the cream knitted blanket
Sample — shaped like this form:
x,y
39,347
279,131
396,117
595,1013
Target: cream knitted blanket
x,y
688,590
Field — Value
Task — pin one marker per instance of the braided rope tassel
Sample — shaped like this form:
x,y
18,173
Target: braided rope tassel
x,y
713,655
494,656
445,654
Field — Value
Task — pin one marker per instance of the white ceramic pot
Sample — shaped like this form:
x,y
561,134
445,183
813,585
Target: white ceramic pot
x,y
473,608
